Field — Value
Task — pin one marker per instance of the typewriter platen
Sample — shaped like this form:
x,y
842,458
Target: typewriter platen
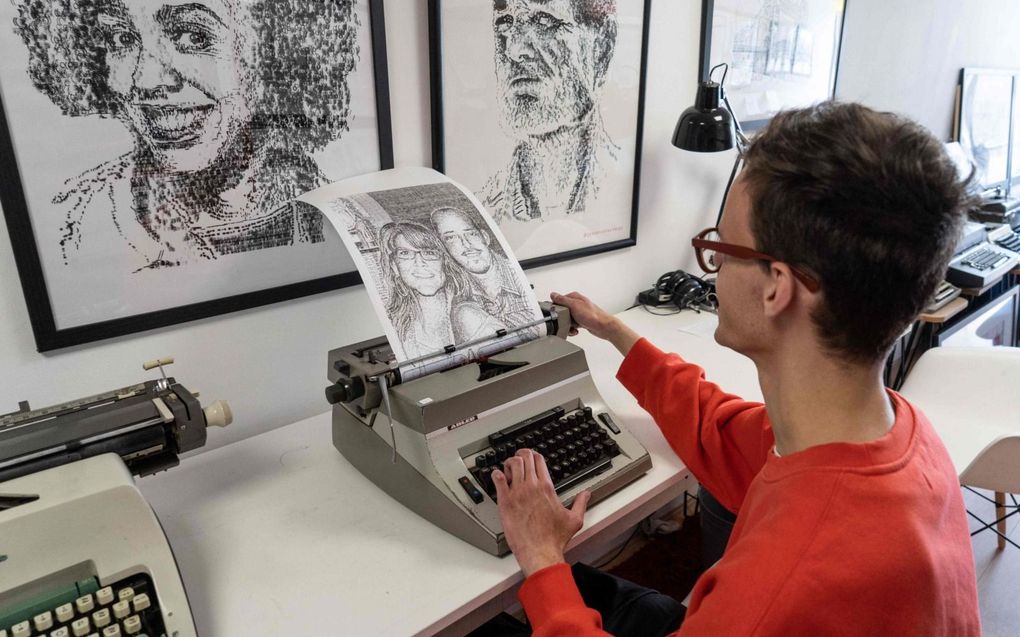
x,y
81,551
451,428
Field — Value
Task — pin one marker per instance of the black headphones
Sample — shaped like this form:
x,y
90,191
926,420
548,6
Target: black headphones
x,y
686,290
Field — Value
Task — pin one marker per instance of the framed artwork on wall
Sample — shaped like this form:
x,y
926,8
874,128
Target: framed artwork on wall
x,y
537,108
781,53
151,151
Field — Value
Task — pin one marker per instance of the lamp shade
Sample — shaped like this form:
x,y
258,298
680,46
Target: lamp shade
x,y
706,127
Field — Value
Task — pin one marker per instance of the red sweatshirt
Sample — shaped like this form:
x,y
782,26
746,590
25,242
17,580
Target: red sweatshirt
x,y
839,539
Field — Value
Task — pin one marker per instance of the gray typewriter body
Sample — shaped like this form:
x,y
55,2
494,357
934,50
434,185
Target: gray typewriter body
x,y
450,428
79,540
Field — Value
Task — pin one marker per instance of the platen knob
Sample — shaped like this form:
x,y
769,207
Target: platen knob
x,y
345,391
218,414
337,393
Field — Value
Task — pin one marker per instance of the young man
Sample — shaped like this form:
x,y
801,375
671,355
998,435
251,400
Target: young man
x,y
850,519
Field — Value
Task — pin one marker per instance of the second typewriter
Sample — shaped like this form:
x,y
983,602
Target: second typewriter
x,y
978,262
432,442
81,552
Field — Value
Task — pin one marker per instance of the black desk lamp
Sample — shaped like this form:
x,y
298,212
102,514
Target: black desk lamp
x,y
710,126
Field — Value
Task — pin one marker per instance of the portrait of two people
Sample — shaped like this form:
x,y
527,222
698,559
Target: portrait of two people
x,y
442,276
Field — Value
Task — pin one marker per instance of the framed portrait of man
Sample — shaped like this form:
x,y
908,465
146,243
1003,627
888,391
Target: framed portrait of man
x,y
152,151
781,53
537,109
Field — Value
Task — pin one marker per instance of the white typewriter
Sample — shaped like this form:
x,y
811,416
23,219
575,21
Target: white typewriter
x,y
81,552
432,442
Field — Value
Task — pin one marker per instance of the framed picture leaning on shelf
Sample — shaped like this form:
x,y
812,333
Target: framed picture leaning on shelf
x,y
537,109
781,53
151,150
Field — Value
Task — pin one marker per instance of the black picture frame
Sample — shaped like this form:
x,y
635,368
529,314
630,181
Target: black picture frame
x,y
705,58
33,282
439,150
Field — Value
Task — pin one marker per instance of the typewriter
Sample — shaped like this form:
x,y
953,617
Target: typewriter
x,y
81,552
944,295
1005,237
432,442
997,209
978,262
981,265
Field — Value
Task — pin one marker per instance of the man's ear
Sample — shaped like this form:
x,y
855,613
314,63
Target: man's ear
x,y
779,292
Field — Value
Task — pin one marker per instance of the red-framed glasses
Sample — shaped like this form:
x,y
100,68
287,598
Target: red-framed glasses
x,y
706,246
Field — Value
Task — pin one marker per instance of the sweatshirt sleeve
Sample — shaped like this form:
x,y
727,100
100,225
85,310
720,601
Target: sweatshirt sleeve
x,y
723,439
555,607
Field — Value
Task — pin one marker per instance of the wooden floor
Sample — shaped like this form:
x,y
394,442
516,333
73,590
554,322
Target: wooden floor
x,y
642,559
998,571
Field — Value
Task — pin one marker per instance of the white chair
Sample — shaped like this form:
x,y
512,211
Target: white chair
x,y
971,395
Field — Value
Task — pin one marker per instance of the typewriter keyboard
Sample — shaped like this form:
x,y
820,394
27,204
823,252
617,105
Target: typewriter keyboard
x,y
984,259
1010,242
83,609
574,444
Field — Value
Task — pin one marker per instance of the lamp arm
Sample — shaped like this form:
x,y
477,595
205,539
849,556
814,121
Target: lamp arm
x,y
729,185
742,143
742,140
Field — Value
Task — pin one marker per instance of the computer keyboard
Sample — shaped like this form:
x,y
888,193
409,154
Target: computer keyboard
x,y
575,446
84,609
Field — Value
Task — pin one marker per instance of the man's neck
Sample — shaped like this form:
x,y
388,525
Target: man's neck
x,y
555,165
812,399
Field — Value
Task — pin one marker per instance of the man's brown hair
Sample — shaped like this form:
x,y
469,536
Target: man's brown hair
x,y
869,203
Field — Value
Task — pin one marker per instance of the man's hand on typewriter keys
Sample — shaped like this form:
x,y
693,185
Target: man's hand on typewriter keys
x,y
536,524
584,313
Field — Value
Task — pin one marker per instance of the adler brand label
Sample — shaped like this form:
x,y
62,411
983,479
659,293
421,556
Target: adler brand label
x,y
461,423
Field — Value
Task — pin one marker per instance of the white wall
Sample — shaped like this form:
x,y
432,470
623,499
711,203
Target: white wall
x,y
270,363
905,55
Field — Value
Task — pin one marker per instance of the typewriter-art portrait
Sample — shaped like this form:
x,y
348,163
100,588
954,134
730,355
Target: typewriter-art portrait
x,y
440,273
226,102
554,88
551,60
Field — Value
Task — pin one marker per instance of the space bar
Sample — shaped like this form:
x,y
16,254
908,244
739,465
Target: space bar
x,y
599,467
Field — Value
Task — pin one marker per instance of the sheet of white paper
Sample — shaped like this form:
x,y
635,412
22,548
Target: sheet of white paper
x,y
704,327
441,277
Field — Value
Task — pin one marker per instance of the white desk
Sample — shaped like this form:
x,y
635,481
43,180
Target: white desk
x,y
279,534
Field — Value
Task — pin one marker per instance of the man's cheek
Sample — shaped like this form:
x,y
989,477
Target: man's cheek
x,y
554,51
583,59
573,62
501,57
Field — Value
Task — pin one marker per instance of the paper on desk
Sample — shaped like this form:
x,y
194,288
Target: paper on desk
x,y
435,265
704,327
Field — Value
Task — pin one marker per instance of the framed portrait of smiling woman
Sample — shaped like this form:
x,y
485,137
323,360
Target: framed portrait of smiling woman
x,y
152,150
537,108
